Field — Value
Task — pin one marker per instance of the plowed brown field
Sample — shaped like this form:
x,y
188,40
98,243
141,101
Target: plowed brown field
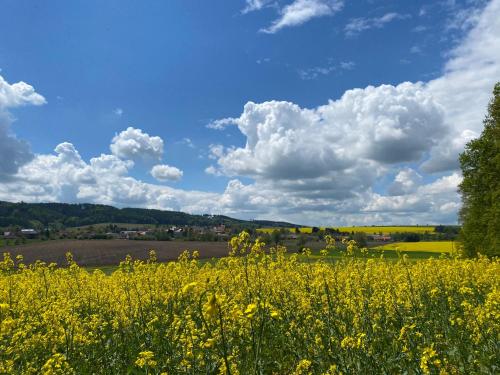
x,y
111,252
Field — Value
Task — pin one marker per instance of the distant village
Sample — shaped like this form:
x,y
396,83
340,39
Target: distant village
x,y
142,232
113,231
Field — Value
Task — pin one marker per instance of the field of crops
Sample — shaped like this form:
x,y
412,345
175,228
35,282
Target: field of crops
x,y
368,230
258,313
428,246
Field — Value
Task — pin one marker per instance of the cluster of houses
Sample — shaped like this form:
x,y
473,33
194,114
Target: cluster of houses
x,y
173,231
219,231
380,238
22,233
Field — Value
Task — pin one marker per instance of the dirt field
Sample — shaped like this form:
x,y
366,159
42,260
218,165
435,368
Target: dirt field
x,y
111,252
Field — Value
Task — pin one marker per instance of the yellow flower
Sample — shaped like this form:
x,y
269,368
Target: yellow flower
x,y
210,308
209,343
57,365
188,287
427,357
303,367
145,359
251,310
4,307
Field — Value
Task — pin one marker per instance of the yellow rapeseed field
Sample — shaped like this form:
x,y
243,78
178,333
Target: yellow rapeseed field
x,y
387,230
428,246
252,313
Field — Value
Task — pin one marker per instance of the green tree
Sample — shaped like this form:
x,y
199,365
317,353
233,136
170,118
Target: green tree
x,y
301,242
480,188
360,238
276,237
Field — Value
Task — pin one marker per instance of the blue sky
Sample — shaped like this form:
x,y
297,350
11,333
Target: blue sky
x,y
170,68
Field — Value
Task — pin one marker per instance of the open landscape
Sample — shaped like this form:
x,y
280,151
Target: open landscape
x,y
250,187
106,244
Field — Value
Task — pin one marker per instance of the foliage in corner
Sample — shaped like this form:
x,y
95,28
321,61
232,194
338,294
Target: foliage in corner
x,y
480,188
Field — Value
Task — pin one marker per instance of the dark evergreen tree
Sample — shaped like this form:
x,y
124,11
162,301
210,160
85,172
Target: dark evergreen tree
x,y
480,188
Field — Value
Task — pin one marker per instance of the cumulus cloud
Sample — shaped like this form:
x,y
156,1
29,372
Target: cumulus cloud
x,y
444,157
302,11
213,171
253,5
14,152
385,124
436,197
134,144
215,151
221,124
358,25
466,86
18,94
163,172
65,176
406,181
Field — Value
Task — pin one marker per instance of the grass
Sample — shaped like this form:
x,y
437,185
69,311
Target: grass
x,y
414,252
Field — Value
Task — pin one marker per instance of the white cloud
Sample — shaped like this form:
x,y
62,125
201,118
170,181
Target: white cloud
x,y
105,164
188,142
215,151
221,124
416,49
14,152
439,198
444,156
302,11
347,65
317,71
134,144
385,125
406,181
163,172
253,5
66,177
419,29
118,111
263,60
213,171
358,25
465,88
18,94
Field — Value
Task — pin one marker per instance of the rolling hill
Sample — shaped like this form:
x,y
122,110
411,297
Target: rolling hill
x,y
75,215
